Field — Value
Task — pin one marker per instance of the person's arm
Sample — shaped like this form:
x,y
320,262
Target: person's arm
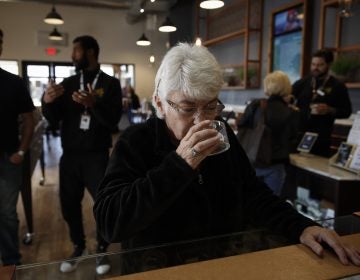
x,y
315,237
343,104
51,102
297,87
26,136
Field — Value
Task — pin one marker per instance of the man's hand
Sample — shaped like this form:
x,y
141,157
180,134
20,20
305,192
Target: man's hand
x,y
15,158
324,109
313,236
85,98
52,92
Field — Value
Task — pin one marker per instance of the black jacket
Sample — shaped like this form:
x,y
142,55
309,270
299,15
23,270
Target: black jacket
x,y
150,195
105,114
283,122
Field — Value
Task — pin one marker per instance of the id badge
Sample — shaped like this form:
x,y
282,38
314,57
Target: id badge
x,y
85,121
320,92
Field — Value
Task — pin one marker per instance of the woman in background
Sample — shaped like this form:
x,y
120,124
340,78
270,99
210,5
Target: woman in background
x,y
282,121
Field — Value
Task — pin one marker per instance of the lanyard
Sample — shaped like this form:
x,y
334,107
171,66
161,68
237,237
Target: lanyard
x,y
94,82
313,85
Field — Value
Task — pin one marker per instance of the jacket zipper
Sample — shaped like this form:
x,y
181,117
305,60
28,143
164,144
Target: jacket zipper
x,y
200,179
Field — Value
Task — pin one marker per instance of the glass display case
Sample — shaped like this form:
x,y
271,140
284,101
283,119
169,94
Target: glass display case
x,y
194,251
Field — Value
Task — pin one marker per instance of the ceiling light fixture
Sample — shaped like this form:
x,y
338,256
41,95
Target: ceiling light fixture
x,y
55,35
152,58
143,41
53,17
211,4
167,26
198,42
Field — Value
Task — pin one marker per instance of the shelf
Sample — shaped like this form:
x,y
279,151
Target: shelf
x,y
231,22
233,88
352,85
225,37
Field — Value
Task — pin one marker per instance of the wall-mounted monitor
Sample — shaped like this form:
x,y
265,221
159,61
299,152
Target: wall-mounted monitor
x,y
289,40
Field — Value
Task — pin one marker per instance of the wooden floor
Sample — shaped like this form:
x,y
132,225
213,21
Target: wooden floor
x,y
51,241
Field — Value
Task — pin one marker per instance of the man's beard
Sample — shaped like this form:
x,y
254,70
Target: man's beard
x,y
318,74
81,64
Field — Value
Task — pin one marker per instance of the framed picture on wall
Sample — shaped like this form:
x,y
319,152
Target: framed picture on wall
x,y
288,39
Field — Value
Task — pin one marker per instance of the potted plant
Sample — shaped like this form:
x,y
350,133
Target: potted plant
x,y
345,67
251,74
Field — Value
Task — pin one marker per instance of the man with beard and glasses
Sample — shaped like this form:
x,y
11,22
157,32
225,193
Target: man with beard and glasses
x,y
321,99
88,108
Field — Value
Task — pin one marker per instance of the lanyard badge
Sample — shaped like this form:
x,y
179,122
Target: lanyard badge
x,y
85,121
85,117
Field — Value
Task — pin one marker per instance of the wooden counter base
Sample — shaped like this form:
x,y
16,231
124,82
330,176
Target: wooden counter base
x,y
291,262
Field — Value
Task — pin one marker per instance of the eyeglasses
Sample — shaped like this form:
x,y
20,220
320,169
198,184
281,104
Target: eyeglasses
x,y
209,110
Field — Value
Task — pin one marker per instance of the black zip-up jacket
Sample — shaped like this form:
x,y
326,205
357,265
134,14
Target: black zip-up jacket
x,y
150,195
105,114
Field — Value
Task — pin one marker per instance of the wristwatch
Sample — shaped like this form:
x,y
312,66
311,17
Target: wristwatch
x,y
21,153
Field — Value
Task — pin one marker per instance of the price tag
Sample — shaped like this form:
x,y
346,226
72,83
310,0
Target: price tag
x,y
320,92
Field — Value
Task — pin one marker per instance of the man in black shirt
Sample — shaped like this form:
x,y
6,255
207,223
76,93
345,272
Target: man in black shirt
x,y
88,105
15,101
321,98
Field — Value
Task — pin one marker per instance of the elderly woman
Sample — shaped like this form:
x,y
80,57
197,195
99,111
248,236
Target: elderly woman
x,y
282,121
162,185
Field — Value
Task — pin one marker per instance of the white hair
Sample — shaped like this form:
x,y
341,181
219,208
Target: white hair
x,y
189,69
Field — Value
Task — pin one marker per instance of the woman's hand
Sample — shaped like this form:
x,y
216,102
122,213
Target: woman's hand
x,y
313,236
199,142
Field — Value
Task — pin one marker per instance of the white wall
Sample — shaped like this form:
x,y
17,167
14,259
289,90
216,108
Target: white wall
x,y
117,39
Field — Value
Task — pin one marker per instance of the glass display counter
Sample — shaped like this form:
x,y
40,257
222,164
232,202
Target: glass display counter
x,y
211,255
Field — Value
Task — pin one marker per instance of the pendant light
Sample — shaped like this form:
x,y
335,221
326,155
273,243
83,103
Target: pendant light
x,y
55,35
53,17
198,42
152,59
211,4
167,26
143,41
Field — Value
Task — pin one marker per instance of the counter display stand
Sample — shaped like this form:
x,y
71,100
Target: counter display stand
x,y
327,182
